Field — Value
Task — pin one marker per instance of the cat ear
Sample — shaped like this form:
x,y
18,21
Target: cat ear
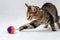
x,y
33,9
27,5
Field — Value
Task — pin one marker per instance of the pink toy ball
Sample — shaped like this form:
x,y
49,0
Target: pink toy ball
x,y
11,29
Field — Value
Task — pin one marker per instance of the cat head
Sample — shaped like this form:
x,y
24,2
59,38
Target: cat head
x,y
32,12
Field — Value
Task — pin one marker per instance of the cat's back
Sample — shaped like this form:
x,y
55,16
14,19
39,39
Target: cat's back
x,y
49,7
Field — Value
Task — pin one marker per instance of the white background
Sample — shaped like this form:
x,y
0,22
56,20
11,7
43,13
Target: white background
x,y
13,13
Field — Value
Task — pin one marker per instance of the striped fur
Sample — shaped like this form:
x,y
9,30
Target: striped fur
x,y
47,14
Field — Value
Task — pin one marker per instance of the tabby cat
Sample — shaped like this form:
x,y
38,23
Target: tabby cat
x,y
47,15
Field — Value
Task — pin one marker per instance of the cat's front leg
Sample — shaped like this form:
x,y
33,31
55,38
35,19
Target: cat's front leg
x,y
30,25
26,26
